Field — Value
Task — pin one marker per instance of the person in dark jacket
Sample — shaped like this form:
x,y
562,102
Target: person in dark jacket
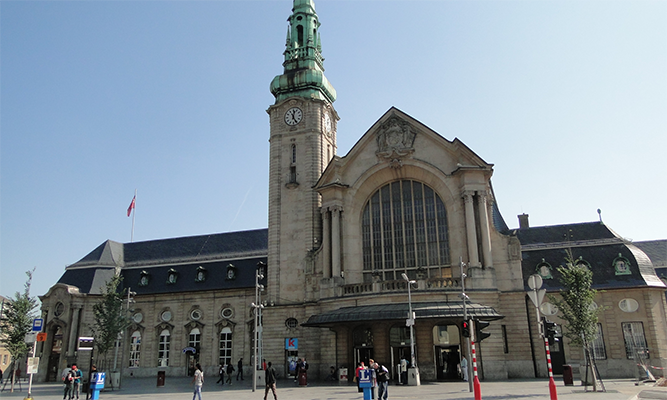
x,y
230,371
270,380
240,366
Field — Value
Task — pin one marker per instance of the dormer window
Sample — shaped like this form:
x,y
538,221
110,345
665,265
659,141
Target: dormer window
x,y
544,270
230,274
621,265
172,276
201,274
582,263
144,279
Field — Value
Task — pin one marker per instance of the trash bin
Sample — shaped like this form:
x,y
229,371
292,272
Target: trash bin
x,y
160,378
567,375
303,378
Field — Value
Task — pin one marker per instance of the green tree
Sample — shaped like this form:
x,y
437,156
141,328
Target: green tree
x,y
577,306
16,321
110,318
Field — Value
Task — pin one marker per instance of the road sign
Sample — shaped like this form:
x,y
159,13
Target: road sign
x,y
33,365
37,324
30,337
41,337
537,296
534,281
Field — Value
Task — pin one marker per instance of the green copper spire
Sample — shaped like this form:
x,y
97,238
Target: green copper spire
x,y
304,71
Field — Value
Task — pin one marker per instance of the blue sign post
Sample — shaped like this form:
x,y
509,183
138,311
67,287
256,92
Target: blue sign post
x,y
366,383
96,384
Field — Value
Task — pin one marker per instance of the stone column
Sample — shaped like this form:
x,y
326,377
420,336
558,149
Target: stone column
x,y
73,329
473,257
484,226
335,241
326,243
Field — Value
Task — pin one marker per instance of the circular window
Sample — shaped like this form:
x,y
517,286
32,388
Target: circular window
x,y
138,317
548,309
166,316
59,310
227,313
195,315
628,305
291,322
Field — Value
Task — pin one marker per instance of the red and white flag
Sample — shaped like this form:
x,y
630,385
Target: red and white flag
x,y
132,205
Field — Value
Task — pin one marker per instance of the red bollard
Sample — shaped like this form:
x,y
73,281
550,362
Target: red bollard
x,y
552,384
475,380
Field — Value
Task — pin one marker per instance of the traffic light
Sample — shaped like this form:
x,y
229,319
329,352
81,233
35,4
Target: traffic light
x,y
550,328
465,328
479,327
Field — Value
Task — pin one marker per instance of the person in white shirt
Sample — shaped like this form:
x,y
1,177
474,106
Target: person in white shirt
x,y
198,380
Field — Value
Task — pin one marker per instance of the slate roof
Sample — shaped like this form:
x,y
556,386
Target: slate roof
x,y
595,243
214,253
399,311
656,250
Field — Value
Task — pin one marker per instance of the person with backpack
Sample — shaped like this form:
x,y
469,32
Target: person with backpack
x,y
382,377
221,374
68,380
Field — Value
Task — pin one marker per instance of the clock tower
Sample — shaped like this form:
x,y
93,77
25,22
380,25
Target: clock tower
x,y
302,142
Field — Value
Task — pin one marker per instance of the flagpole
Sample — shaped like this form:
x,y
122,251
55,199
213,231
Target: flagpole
x,y
134,210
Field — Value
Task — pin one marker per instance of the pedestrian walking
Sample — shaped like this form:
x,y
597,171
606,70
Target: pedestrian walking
x,y
221,374
230,371
76,387
198,380
68,380
240,371
382,376
464,368
270,380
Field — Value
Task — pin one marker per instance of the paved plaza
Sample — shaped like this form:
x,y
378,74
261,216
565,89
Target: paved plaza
x,y
181,389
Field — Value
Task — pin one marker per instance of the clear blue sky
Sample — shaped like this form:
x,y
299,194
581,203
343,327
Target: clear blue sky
x,y
567,98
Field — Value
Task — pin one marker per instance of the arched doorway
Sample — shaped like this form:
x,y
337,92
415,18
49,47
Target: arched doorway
x,y
447,347
54,357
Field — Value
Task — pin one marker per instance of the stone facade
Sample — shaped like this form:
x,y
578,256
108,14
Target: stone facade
x,y
341,233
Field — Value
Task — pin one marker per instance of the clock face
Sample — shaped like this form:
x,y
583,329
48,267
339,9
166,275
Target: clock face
x,y
327,123
293,116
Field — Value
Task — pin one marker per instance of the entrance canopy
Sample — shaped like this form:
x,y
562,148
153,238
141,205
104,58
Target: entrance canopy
x,y
399,311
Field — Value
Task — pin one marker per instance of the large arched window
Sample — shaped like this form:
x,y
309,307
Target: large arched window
x,y
135,349
404,229
163,349
225,356
194,339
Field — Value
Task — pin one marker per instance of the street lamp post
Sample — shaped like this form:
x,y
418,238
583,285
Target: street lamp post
x,y
257,305
465,298
411,322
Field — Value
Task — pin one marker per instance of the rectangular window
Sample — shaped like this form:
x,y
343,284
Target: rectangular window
x,y
506,348
635,341
597,346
